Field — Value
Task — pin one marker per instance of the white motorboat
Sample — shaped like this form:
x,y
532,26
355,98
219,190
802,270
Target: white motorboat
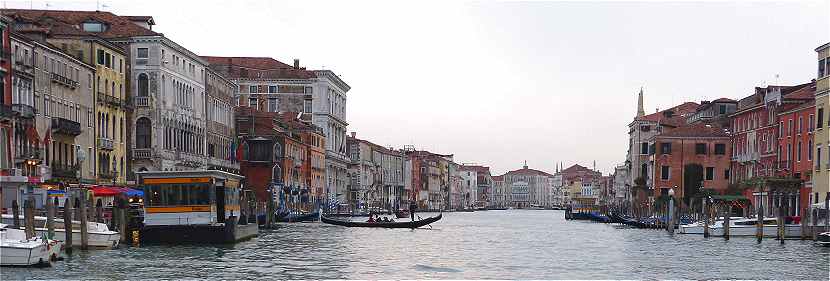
x,y
823,239
16,250
740,226
99,234
697,227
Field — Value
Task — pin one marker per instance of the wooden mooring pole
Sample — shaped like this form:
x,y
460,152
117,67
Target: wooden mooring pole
x,y
50,217
759,225
67,224
84,218
99,210
15,214
780,221
28,217
726,219
705,210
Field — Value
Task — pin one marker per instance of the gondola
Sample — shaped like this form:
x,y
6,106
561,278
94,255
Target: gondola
x,y
408,224
307,217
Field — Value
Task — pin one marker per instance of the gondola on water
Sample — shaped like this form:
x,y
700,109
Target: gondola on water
x,y
408,224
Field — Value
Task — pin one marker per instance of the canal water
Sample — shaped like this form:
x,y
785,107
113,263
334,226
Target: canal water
x,y
514,244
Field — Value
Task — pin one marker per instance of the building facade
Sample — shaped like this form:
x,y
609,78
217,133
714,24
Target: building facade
x,y
821,152
538,185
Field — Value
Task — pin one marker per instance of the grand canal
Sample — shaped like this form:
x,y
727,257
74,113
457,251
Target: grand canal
x,y
514,244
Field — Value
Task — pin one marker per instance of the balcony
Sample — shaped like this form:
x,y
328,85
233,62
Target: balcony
x,y
64,171
65,126
60,79
142,101
6,111
109,100
105,144
142,153
24,110
26,155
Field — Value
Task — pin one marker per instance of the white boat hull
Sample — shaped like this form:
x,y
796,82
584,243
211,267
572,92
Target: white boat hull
x,y
793,230
96,240
23,256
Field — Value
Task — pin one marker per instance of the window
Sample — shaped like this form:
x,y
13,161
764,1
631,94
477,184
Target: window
x,y
307,106
665,173
108,61
818,157
720,149
810,123
252,102
820,118
790,127
644,148
710,173
798,151
665,148
92,27
726,174
809,150
252,89
272,89
272,105
101,57
781,129
700,148
142,53
143,85
722,109
143,134
821,69
800,124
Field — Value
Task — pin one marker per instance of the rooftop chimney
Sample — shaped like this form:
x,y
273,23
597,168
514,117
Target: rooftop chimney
x,y
354,134
296,63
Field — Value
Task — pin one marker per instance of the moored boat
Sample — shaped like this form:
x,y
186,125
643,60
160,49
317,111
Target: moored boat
x,y
299,217
100,236
409,224
823,239
16,250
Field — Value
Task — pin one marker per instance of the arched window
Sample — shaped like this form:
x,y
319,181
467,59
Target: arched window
x,y
276,174
143,85
277,151
143,133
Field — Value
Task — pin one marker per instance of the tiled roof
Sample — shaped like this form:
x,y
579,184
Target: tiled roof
x,y
576,168
528,171
697,130
805,92
256,68
476,168
117,26
725,100
679,112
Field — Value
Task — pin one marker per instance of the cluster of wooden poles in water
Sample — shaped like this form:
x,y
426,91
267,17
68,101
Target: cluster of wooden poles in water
x,y
709,212
82,209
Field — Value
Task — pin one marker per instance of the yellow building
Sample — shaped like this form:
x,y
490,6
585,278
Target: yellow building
x,y
821,177
110,149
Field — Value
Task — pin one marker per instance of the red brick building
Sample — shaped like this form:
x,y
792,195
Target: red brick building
x,y
690,157
6,113
796,124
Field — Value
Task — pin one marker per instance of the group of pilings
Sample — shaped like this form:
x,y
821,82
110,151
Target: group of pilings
x,y
76,206
640,217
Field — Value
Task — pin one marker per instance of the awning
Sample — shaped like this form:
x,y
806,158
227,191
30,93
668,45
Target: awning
x,y
105,191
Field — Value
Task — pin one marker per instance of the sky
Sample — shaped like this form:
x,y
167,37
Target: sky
x,y
500,83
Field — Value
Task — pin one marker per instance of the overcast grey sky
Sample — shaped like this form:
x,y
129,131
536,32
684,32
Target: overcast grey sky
x,y
498,83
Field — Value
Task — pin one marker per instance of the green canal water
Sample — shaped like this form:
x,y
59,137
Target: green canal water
x,y
514,244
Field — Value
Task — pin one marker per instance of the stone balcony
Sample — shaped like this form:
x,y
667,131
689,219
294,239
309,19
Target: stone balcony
x,y
143,153
105,144
65,126
145,102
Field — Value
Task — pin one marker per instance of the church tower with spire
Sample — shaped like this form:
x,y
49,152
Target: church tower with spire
x,y
640,110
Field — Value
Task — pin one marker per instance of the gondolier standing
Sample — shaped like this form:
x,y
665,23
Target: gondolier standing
x,y
412,207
